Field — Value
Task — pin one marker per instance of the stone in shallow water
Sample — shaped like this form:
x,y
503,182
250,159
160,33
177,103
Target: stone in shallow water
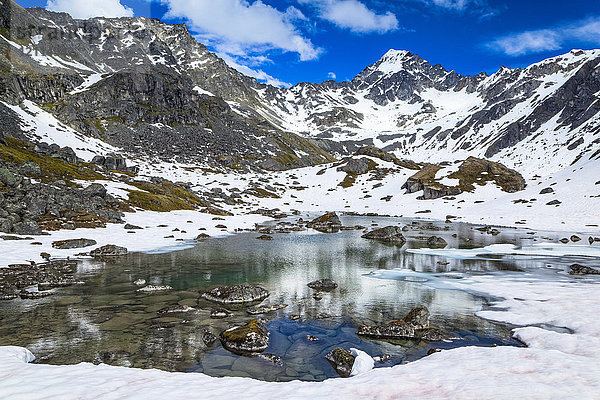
x,y
323,285
220,313
176,309
436,242
236,294
154,288
250,338
265,309
391,234
414,326
341,360
327,223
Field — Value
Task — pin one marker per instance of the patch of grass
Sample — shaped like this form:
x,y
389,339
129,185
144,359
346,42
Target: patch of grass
x,y
348,181
163,197
53,169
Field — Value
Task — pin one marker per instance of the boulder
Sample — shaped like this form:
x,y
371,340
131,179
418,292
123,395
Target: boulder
x,y
110,250
27,228
575,238
95,189
341,360
131,227
325,285
236,294
436,242
391,234
73,243
327,223
8,178
219,313
250,338
264,237
577,269
358,166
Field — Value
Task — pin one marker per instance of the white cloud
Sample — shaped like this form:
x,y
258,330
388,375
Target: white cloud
x,y
83,9
249,27
354,15
540,40
258,74
452,4
332,75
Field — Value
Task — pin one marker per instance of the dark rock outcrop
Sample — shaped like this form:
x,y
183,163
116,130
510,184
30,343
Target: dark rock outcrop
x,y
73,243
327,223
392,234
577,269
436,242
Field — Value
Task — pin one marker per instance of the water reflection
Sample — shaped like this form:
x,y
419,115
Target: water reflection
x,y
107,321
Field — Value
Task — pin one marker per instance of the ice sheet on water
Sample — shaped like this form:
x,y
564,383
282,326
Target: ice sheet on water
x,y
537,249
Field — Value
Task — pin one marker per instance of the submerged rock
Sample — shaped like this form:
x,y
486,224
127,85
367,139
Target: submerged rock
x,y
325,285
73,243
236,294
219,313
327,223
154,288
250,338
272,358
264,309
208,337
176,309
265,237
391,234
577,269
110,250
341,360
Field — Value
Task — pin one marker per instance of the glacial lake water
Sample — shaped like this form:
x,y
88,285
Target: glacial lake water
x,y
107,321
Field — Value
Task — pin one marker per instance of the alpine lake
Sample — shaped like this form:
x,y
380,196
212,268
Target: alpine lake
x,y
106,320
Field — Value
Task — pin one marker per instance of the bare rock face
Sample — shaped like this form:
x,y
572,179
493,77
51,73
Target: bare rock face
x,y
341,360
250,338
391,234
110,250
415,325
358,166
236,294
327,223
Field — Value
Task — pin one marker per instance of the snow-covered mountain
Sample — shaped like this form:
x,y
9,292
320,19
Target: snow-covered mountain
x,y
145,86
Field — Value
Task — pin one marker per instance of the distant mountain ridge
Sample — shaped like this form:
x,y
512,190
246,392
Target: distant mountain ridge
x,y
151,88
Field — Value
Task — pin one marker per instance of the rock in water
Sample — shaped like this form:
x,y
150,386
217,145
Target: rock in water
x,y
325,285
265,309
436,242
110,250
73,243
154,288
577,269
327,223
236,294
391,234
220,313
250,338
418,317
342,361
176,309
415,325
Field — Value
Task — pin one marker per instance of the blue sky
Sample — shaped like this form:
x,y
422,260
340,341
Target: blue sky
x,y
289,41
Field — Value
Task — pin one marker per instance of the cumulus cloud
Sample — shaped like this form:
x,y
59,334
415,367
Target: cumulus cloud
x,y
90,8
258,74
245,26
354,16
536,41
